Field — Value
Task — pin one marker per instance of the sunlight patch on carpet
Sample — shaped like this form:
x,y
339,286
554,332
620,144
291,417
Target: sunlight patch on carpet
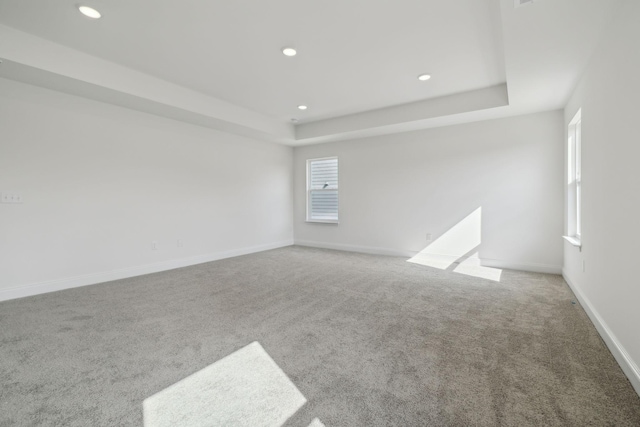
x,y
246,388
472,267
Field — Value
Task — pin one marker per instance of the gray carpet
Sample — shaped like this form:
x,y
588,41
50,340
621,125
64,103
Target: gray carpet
x,y
366,340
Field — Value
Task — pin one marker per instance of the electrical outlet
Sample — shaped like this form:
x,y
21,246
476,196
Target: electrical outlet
x,y
11,197
180,244
429,237
518,3
154,246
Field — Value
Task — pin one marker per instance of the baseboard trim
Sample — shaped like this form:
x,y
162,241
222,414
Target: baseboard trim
x,y
354,248
509,265
629,367
522,266
107,276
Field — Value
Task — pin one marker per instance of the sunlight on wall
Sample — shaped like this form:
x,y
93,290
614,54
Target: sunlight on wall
x,y
457,250
458,241
246,388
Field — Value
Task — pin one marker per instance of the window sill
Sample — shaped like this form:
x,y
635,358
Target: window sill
x,y
322,221
573,240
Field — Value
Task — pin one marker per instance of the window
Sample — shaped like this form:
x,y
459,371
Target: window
x,y
575,177
322,190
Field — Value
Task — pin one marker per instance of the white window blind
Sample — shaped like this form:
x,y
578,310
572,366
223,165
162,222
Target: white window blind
x,y
322,190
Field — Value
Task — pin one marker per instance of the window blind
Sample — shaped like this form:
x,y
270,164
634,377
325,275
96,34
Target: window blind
x,y
322,186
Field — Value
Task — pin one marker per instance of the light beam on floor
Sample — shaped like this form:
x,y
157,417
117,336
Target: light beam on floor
x,y
246,388
472,267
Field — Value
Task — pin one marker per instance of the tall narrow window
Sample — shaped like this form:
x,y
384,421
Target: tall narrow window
x,y
322,190
575,176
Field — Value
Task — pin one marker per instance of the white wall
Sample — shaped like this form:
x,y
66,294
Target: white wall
x,y
395,189
100,183
608,94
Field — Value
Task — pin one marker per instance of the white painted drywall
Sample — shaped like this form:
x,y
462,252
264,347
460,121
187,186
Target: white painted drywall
x,y
100,183
79,67
395,189
608,95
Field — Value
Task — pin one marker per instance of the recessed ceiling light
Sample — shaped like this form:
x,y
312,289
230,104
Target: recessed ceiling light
x,y
302,107
89,11
289,51
424,77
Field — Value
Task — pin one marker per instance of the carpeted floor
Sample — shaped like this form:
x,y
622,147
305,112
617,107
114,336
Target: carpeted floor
x,y
367,340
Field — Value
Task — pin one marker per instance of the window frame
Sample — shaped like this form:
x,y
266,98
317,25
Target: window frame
x,y
575,177
309,190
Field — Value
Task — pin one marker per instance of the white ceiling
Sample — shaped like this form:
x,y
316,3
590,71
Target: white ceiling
x,y
354,56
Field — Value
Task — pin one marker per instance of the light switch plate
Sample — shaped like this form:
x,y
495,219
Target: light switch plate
x,y
11,197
